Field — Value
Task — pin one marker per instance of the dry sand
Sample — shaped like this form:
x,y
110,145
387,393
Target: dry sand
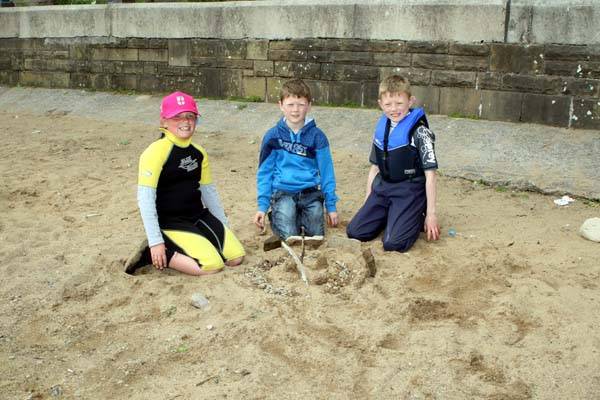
x,y
507,309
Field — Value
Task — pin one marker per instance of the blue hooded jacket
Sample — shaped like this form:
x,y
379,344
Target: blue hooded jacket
x,y
292,162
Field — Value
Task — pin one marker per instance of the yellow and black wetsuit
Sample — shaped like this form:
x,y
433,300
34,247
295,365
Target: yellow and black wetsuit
x,y
176,169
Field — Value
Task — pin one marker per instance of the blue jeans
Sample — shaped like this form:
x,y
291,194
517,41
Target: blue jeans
x,y
289,212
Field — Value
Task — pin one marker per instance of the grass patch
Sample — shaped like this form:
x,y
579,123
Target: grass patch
x,y
246,99
462,116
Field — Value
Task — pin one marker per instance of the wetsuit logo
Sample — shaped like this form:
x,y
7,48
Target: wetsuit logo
x,y
188,163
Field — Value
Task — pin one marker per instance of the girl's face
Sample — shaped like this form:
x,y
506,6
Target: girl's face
x,y
182,125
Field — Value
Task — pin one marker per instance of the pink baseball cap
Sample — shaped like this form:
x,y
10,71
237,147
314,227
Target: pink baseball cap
x,y
176,103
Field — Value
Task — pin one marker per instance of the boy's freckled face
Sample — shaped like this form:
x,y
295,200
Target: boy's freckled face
x,y
294,110
395,105
182,125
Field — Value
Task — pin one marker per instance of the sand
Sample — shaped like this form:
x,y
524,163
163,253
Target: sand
x,y
506,309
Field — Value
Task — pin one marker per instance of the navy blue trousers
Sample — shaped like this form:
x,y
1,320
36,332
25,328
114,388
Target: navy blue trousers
x,y
397,209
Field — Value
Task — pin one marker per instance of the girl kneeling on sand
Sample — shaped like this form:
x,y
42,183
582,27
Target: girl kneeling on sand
x,y
183,217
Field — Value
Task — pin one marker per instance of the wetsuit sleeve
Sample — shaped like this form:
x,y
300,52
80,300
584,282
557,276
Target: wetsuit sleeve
x,y
425,143
146,197
210,198
326,171
206,177
150,168
264,174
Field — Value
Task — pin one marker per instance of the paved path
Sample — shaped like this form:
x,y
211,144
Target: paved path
x,y
551,160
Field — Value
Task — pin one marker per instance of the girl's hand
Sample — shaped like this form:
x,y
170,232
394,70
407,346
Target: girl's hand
x,y
159,256
332,219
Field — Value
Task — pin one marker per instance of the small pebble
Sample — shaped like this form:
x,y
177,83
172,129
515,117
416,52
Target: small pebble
x,y
199,301
210,327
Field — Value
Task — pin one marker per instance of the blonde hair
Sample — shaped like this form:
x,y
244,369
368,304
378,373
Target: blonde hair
x,y
295,87
394,84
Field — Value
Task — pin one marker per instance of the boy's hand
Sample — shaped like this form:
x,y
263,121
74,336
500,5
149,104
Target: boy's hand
x,y
332,219
432,228
259,220
159,256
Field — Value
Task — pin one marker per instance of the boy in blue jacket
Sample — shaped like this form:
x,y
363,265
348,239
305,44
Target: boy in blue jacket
x,y
295,176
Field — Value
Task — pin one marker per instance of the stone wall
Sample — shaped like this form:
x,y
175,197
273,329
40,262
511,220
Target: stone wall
x,y
556,84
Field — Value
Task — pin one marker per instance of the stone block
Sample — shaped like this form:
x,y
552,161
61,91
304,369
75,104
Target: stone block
x,y
359,73
468,49
470,63
138,43
263,68
112,54
345,93
582,87
151,84
431,61
10,78
297,70
319,91
353,57
257,50
150,68
123,82
157,55
231,83
100,82
328,71
293,44
80,81
563,68
427,97
158,43
391,59
453,78
10,43
80,51
386,46
79,66
426,47
180,52
254,87
46,65
586,113
522,83
370,94
517,59
571,52
273,88
548,110
210,82
117,42
97,67
44,79
501,106
288,55
489,80
415,76
461,101
552,84
121,67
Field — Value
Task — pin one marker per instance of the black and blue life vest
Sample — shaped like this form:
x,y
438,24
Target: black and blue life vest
x,y
396,158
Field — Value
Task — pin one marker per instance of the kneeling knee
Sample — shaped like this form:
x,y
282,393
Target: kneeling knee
x,y
235,262
402,246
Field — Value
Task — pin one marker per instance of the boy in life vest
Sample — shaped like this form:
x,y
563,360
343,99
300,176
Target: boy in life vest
x,y
295,175
182,214
401,186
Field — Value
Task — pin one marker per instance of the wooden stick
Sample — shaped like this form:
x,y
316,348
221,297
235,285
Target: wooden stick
x,y
299,265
